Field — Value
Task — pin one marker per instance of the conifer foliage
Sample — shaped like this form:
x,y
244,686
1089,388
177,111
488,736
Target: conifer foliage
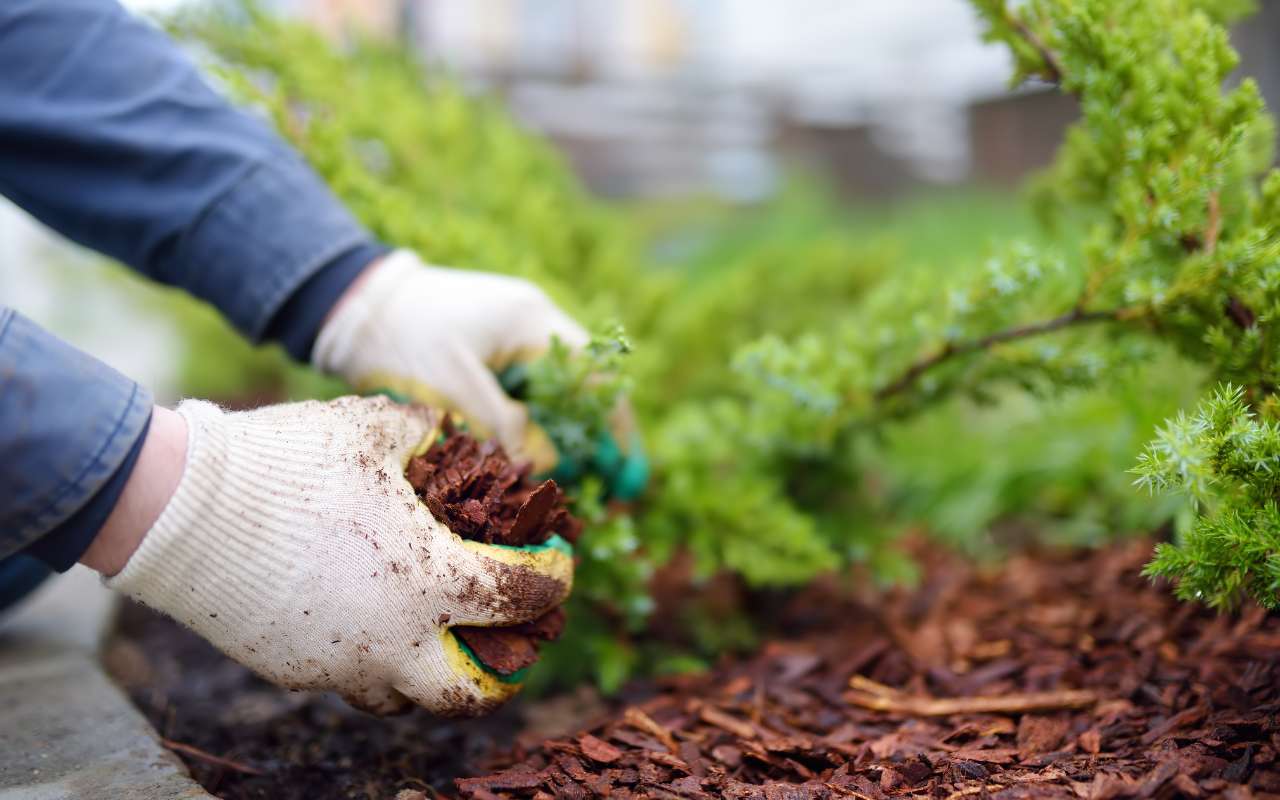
x,y
1182,247
1166,213
762,391
1227,461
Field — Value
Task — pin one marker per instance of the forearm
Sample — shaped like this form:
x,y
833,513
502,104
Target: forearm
x,y
109,135
150,484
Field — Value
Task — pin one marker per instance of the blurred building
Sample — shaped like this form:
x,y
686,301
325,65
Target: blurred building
x,y
666,97
1257,38
634,91
663,97
1013,134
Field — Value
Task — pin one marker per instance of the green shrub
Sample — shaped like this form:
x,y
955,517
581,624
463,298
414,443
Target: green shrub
x,y
1168,174
1165,212
780,373
1227,461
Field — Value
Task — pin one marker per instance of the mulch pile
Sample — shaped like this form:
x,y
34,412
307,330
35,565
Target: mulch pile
x,y
1063,676
481,495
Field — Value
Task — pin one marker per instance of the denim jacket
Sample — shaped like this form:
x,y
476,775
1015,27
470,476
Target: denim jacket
x,y
109,135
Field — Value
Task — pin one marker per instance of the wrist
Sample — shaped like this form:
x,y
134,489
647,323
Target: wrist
x,y
358,320
218,539
154,479
297,323
353,289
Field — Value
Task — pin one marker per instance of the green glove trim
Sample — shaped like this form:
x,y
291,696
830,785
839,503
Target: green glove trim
x,y
513,379
625,474
632,476
516,677
555,542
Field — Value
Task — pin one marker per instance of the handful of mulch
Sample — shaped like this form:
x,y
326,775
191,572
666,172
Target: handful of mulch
x,y
475,489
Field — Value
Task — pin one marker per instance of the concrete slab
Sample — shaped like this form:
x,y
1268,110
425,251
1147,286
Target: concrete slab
x,y
66,731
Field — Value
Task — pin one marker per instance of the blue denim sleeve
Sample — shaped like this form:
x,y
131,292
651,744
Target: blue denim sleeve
x,y
109,135
67,424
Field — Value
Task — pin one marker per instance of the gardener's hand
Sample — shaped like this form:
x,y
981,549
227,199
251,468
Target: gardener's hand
x,y
438,335
294,544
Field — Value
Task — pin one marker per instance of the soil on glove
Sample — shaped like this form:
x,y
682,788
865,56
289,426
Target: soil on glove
x,y
475,489
1068,677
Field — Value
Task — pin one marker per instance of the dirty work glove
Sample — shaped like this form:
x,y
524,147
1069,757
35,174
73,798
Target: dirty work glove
x,y
294,544
438,335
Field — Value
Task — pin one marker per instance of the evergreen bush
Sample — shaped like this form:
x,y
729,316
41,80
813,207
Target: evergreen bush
x,y
776,392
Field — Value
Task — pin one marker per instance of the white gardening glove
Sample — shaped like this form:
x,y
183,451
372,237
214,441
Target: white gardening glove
x,y
437,335
295,544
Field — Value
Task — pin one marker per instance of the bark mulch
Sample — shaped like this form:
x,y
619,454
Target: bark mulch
x,y
475,489
1059,676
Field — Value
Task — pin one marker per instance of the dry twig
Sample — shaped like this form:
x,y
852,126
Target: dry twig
x,y
727,722
1052,65
642,721
195,752
1214,228
865,684
947,706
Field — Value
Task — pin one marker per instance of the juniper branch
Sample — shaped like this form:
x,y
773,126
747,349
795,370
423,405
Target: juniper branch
x,y
1053,66
1076,316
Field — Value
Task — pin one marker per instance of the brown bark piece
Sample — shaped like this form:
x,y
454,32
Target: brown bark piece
x,y
598,750
532,515
950,706
475,489
1040,734
511,649
502,650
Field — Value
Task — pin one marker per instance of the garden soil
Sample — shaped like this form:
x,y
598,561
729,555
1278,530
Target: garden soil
x,y
1058,675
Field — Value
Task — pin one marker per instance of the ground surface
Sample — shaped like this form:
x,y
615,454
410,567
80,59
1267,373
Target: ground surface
x,y
258,741
1069,677
1066,676
66,731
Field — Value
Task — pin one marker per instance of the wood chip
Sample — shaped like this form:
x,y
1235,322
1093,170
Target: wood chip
x,y
739,728
598,750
